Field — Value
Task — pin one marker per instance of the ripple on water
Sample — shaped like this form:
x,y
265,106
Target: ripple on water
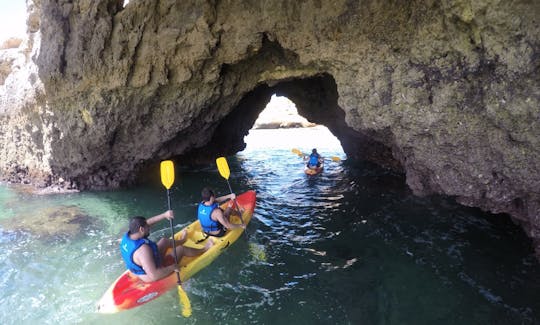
x,y
351,246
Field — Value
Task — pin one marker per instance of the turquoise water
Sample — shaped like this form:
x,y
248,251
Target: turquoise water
x,y
349,246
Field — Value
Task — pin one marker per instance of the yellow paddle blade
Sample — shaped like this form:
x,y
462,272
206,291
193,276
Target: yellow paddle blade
x,y
223,167
298,152
336,158
184,302
166,169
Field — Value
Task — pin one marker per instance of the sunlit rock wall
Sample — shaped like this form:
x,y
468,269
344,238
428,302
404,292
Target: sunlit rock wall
x,y
447,91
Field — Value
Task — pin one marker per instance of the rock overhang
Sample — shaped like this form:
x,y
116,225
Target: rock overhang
x,y
445,91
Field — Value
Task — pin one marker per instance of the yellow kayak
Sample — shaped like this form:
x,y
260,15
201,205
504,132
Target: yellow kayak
x,y
314,170
128,291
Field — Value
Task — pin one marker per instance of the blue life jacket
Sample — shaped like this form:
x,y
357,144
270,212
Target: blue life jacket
x,y
204,215
313,159
128,246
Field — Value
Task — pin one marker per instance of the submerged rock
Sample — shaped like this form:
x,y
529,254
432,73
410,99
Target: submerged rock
x,y
50,223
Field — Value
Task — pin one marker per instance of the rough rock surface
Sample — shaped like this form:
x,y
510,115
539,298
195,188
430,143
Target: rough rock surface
x,y
447,91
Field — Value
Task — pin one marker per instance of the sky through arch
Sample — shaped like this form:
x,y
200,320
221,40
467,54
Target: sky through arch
x,y
12,19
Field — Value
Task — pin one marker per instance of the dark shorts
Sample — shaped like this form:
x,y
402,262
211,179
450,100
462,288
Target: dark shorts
x,y
221,233
168,260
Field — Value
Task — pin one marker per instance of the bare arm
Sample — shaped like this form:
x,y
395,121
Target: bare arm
x,y
144,257
223,198
155,219
217,215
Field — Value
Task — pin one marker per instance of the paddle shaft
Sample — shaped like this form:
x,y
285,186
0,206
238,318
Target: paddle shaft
x,y
303,155
237,209
225,172
173,241
235,204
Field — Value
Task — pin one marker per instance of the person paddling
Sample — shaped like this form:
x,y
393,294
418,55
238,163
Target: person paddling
x,y
314,159
215,221
148,260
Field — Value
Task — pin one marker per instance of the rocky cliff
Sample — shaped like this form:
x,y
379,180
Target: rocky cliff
x,y
446,91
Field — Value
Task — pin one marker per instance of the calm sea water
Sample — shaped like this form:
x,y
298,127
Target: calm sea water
x,y
349,246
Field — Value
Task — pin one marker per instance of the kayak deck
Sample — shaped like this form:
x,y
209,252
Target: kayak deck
x,y
129,291
314,171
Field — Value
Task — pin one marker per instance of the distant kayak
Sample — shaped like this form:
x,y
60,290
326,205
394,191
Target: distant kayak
x,y
128,291
314,171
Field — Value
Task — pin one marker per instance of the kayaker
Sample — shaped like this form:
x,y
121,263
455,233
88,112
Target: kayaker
x,y
215,221
145,258
314,159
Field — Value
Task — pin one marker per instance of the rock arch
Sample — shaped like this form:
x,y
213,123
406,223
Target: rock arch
x,y
446,91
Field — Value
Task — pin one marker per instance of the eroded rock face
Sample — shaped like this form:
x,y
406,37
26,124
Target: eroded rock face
x,y
447,91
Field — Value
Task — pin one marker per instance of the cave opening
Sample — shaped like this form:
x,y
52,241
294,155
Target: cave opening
x,y
279,122
315,99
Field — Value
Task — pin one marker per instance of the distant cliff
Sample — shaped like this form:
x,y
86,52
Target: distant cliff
x,y
280,113
446,91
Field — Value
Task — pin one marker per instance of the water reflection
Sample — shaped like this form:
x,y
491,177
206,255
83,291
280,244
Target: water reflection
x,y
349,246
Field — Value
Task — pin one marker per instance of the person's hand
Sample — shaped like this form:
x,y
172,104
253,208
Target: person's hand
x,y
175,268
243,225
168,214
233,196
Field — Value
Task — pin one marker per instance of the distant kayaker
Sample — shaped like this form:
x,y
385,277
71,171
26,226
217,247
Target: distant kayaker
x,y
215,221
314,159
145,258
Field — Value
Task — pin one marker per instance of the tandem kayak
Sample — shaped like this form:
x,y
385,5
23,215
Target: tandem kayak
x,y
314,171
128,291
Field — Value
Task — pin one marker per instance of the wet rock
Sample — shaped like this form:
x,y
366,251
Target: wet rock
x,y
445,91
